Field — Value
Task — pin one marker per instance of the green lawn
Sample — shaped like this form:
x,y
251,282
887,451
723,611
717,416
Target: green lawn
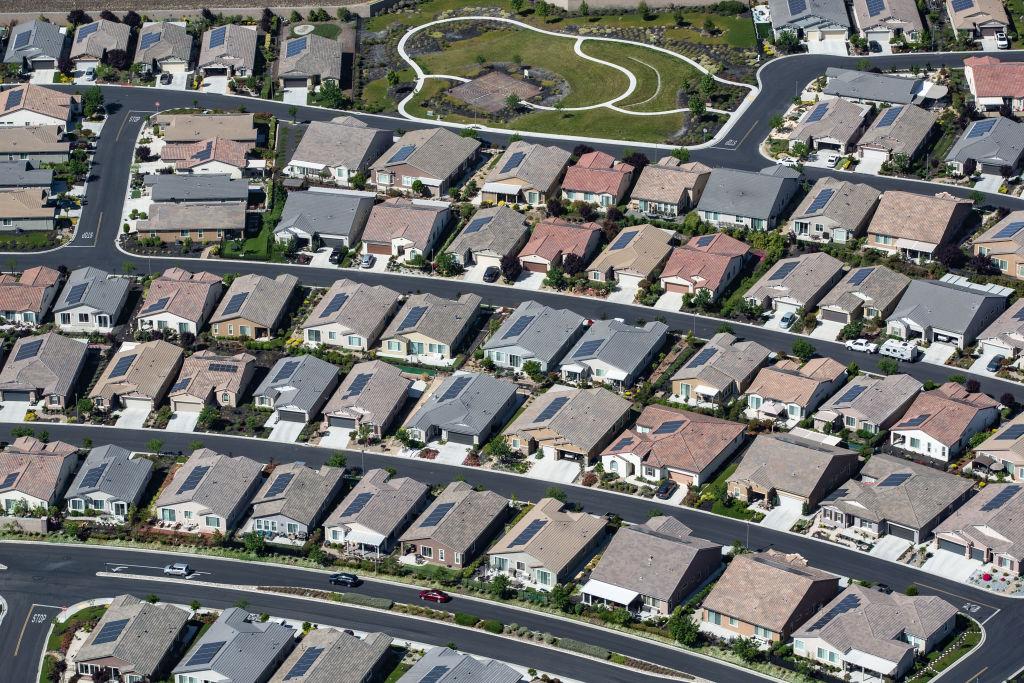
x,y
398,672
375,93
732,31
659,76
326,30
36,239
602,123
262,247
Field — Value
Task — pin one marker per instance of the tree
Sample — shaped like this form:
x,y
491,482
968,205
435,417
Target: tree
x,y
787,42
512,101
143,153
637,160
584,8
533,370
912,590
643,10
697,106
800,150
542,8
118,59
208,416
707,86
132,19
511,268
572,264
776,121
803,349
561,597
746,649
498,586
107,15
92,100
154,445
393,78
84,405
419,188
77,17
331,96
555,207
447,265
207,16
950,256
682,154
972,386
255,544
683,628
517,6
556,493
337,459
709,26
888,366
266,20
292,111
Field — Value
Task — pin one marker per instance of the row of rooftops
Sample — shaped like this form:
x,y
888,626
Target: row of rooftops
x,y
879,20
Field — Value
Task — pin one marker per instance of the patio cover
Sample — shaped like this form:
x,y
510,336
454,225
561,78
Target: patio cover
x,y
870,662
606,591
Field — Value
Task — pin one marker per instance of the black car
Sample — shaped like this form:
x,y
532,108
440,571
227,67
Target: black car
x,y
335,256
491,274
344,579
166,78
666,490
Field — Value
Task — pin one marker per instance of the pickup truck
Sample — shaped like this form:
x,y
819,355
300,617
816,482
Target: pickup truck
x,y
862,345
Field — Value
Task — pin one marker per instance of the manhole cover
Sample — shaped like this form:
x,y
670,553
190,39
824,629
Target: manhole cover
x,y
303,29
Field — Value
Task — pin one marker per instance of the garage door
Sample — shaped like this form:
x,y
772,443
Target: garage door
x,y
676,288
487,261
16,396
295,83
348,422
875,155
535,267
215,71
137,404
956,548
901,532
785,308
455,437
186,406
173,68
790,502
833,316
978,554
41,64
680,478
379,249
291,416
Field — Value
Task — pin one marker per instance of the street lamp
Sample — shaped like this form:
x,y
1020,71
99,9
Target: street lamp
x,y
705,134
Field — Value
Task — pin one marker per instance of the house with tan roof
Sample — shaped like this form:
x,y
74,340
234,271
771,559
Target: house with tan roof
x,y
209,379
254,306
790,391
873,633
994,83
34,474
456,527
350,315
833,124
436,157
25,210
489,236
667,443
951,310
553,239
228,50
182,128
904,129
309,60
164,46
833,211
526,173
93,41
330,654
867,404
987,528
796,283
36,144
940,423
669,188
1003,243
293,501
43,368
179,300
1005,336
637,253
34,105
1002,452
938,219
597,178
402,228
27,298
337,150
867,293
888,21
566,423
373,514
372,394
429,329
706,263
137,377
978,18
547,545
719,371
218,156
210,492
199,222
765,595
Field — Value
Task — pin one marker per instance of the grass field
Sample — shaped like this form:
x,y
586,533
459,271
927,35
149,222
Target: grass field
x,y
659,76
326,30
602,123
732,31
375,93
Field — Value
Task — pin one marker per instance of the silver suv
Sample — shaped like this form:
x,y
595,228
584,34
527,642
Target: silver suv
x,y
177,569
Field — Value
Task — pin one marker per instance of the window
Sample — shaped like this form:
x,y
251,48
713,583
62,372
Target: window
x,y
850,422
500,563
188,514
432,348
793,410
183,233
440,554
733,621
416,347
54,399
883,239
426,551
458,558
870,428
384,178
161,324
754,402
225,397
684,391
8,222
758,223
394,346
407,181
65,318
520,566
915,442
293,528
76,504
499,357
231,329
600,372
714,618
822,653
543,577
649,601
243,330
167,515
798,645
1002,263
182,328
332,335
763,633
213,521
313,335
104,321
355,340
613,465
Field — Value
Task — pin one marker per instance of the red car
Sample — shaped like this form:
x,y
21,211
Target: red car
x,y
431,595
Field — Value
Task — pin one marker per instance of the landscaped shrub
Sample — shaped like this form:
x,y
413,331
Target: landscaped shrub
x,y
493,626
463,619
367,600
583,648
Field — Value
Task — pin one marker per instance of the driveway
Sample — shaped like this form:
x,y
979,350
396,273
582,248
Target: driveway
x,y
530,280
775,321
950,565
295,96
938,353
132,418
781,517
13,411
42,77
827,330
449,453
870,165
890,547
185,421
989,183
979,366
475,273
623,294
336,437
216,85
670,301
322,258
827,47
285,431
552,469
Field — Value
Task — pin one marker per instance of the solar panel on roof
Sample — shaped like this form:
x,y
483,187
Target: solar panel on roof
x,y
235,303
622,240
402,154
150,39
337,301
29,349
784,270
223,367
357,505
295,47
455,388
702,357
358,384
194,477
437,514
876,7
205,653
889,117
588,347
435,674
797,6
9,480
87,31
476,224
916,421
818,113
669,427
1009,230
979,128
821,200
860,275
110,631
205,152
705,240
1012,432
551,409
21,40
122,365
518,326
217,36
157,305
961,5
852,393
76,293
181,384
14,98
513,161
286,370
1019,315
623,443
999,500
280,484
895,479
306,661
412,317
845,605
527,534
93,476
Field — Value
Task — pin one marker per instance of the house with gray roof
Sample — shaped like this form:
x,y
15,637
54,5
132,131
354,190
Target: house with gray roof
x,y
490,235
614,352
209,379
904,129
135,638
35,45
833,124
456,527
254,306
994,146
834,210
428,329
813,20
534,332
208,188
350,315
293,501
93,41
748,199
307,61
297,387
372,394
228,50
467,408
1005,336
37,144
436,157
877,88
987,528
864,293
337,216
43,368
374,513
651,568
209,493
526,173
337,150
719,371
794,283
330,655
108,483
164,46
445,665
92,301
952,310
22,173
868,404
238,647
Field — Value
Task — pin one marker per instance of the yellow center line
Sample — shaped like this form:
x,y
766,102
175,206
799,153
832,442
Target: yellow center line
x,y
21,635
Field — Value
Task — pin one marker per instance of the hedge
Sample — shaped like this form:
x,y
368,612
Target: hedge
x,y
463,619
366,600
493,626
583,648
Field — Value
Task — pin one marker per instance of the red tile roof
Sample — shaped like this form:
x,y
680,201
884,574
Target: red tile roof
x,y
993,78
597,172
554,237
27,292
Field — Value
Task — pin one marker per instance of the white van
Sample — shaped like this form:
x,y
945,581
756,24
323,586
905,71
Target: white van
x,y
902,350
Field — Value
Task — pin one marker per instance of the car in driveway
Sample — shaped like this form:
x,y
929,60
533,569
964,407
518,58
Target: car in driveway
x,y
367,261
177,569
995,363
862,345
1002,42
666,490
433,595
344,579
787,320
335,256
491,274
166,79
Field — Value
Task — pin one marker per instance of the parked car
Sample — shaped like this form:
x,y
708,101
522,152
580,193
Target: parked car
x,y
432,595
335,256
862,345
177,569
786,161
491,274
787,320
666,490
165,79
344,579
995,363
901,350
1002,42
367,261
832,159
90,74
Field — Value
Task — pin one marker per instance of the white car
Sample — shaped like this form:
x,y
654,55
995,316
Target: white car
x,y
1002,42
832,159
787,161
862,345
177,569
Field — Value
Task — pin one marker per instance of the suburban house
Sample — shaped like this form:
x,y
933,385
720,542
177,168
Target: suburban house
x,y
26,209
1002,452
254,306
373,394
293,501
790,391
201,189
636,254
330,654
110,482
35,474
868,404
92,301
137,377
597,178
789,470
873,633
38,144
888,21
813,21
789,591
93,41
467,408
35,45
21,174
209,379
796,283
834,211
830,125
375,512
456,527
436,158
614,352
940,423
651,568
554,239
429,329
43,369
937,221
547,545
403,228
492,234
210,492
671,444
337,150
707,263
134,638
296,388
238,647
350,315
993,145
1003,243
669,188
572,424
880,88
33,105
198,222
978,18
994,83
526,173
534,333
177,128
179,300
449,666
863,294
1005,336
987,528
748,199
719,371
336,216
904,129
896,497
951,310
228,50
164,46
308,61
216,156
27,298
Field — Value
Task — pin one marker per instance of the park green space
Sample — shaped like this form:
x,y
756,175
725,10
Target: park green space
x,y
659,76
601,123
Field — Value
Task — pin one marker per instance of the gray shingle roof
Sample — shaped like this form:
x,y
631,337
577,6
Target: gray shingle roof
x,y
384,394
734,362
995,527
305,388
173,187
266,300
472,411
504,233
106,36
46,41
392,501
878,400
174,43
540,168
330,212
237,49
459,668
622,345
364,311
545,334
762,194
584,421
470,515
124,478
344,141
822,14
344,658
151,632
437,152
850,204
444,321
792,464
904,135
53,368
20,173
867,85
306,493
1001,144
220,489
320,57
878,289
103,292
250,648
933,303
804,283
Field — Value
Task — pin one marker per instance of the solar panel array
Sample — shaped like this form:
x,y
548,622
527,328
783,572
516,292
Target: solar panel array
x,y
205,153
93,476
527,534
402,154
9,480
235,303
797,6
702,357
895,479
206,653
551,409
223,367
669,427
337,301
29,350
1019,315
622,240
588,347
110,632
519,326
295,47
181,384
413,317
889,117
818,113
845,605
76,293
21,40
876,7
513,161
150,39
193,478
358,384
1009,230
784,270
980,128
435,674
437,514
305,662
961,5
1000,499
821,200
455,388
287,370
87,31
860,275
123,364
14,98
280,484
916,421
157,305
1011,433
852,393
357,505
705,240
476,224
624,442
217,36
